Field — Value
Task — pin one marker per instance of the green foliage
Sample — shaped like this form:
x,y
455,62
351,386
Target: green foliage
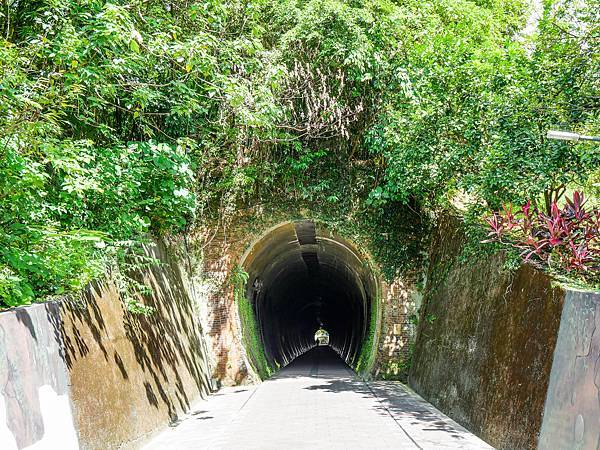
x,y
400,241
368,349
474,248
74,196
475,104
135,117
396,370
68,208
250,332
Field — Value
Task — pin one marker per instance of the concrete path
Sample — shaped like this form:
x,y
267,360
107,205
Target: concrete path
x,y
316,402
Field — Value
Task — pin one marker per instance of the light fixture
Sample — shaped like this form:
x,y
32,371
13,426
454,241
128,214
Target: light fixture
x,y
569,136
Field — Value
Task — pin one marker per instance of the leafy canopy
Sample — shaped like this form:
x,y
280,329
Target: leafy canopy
x,y
128,118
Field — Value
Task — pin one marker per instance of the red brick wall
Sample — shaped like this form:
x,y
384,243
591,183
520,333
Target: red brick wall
x,y
223,249
397,331
221,253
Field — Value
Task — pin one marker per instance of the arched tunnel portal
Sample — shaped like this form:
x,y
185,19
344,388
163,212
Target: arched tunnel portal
x,y
301,277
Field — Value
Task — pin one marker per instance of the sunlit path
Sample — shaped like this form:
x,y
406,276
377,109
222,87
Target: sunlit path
x,y
317,402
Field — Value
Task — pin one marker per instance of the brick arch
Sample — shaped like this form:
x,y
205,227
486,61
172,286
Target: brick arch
x,y
221,249
302,276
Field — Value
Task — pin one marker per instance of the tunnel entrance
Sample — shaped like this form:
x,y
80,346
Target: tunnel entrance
x,y
301,278
322,337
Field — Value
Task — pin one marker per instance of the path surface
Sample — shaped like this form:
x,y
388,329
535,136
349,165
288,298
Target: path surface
x,y
316,402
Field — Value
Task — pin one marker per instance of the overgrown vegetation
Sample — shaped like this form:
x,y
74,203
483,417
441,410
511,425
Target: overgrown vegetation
x,y
125,119
368,349
250,332
566,241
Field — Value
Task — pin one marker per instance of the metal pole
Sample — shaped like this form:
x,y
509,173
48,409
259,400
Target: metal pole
x,y
590,138
568,136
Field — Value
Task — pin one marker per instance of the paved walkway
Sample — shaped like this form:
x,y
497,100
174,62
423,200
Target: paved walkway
x,y
317,402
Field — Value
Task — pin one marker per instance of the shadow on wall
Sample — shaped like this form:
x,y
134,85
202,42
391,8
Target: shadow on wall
x,y
130,373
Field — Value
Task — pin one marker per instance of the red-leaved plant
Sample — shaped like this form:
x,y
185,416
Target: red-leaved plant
x,y
567,238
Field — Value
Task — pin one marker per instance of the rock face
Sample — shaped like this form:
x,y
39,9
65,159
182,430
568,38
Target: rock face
x,y
88,374
486,345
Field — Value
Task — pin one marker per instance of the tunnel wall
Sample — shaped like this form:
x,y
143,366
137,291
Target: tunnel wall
x,y
487,351
87,374
220,249
300,275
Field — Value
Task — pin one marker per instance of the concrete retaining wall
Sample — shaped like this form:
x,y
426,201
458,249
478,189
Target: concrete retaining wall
x,y
484,349
88,374
35,407
572,411
489,353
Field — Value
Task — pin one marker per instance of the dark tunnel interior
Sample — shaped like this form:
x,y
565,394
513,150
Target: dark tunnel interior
x,y
302,277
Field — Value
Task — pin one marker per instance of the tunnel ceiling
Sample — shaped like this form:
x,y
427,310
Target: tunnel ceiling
x,y
301,276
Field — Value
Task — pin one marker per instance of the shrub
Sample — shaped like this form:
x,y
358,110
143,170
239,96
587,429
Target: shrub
x,y
565,240
70,210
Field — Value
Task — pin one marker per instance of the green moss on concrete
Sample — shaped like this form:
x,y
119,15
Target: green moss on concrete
x,y
368,351
250,332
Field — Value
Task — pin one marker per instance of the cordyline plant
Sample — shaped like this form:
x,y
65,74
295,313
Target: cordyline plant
x,y
566,239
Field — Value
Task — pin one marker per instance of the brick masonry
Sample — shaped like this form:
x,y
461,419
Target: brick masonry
x,y
222,250
399,301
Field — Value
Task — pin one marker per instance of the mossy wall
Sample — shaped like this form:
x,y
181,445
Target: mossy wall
x,y
251,339
485,343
